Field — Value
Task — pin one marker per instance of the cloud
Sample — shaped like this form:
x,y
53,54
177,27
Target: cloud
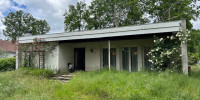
x,y
196,24
50,10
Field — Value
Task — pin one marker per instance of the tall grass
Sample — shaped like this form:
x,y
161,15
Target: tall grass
x,y
26,84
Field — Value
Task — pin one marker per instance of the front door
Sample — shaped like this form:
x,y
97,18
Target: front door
x,y
79,59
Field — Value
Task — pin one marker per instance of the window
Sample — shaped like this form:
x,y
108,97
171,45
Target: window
x,y
125,59
147,64
130,58
112,58
134,59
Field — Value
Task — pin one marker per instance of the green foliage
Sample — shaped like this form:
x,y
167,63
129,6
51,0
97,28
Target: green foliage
x,y
170,10
115,13
19,22
194,47
166,53
105,13
7,64
74,17
98,85
26,84
42,73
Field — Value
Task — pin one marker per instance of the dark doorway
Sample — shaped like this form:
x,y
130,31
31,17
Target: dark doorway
x,y
79,59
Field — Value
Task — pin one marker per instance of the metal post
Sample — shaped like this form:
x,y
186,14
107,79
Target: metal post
x,y
184,49
109,54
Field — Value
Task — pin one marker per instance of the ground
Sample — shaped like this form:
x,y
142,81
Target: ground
x,y
35,84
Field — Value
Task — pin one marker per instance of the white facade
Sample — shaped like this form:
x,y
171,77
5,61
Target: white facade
x,y
94,60
64,51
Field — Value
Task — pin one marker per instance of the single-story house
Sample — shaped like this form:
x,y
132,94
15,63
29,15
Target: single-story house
x,y
8,48
121,48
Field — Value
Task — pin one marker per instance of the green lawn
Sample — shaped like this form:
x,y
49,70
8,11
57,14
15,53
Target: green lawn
x,y
33,84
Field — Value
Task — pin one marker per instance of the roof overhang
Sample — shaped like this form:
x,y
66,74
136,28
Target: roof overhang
x,y
156,28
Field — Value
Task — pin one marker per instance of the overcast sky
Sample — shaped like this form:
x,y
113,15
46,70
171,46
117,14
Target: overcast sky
x,y
50,10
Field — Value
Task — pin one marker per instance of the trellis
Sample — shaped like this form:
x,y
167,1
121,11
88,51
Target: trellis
x,y
31,56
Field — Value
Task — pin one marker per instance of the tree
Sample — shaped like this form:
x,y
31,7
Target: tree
x,y
19,22
105,13
115,13
74,17
171,10
194,47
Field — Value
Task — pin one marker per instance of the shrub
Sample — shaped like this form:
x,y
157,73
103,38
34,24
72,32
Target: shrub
x,y
166,53
42,73
7,64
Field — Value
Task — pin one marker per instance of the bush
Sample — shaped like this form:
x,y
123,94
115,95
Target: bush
x,y
42,73
7,64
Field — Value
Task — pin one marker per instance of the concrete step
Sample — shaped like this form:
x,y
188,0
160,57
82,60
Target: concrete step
x,y
61,78
69,75
64,78
64,81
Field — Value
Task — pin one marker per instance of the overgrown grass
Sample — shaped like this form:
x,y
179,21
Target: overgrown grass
x,y
29,84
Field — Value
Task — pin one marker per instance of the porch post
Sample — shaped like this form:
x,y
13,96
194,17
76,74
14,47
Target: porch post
x,y
184,49
109,54
17,55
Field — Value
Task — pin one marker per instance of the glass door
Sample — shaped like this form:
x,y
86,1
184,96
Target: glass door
x,y
125,59
134,59
112,58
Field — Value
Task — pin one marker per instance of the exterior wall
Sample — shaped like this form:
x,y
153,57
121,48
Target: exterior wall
x,y
66,55
93,60
63,54
50,58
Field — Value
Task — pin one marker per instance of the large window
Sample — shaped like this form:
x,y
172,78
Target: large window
x,y
112,58
147,64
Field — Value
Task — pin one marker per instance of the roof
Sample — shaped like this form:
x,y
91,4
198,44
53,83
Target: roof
x,y
7,46
154,28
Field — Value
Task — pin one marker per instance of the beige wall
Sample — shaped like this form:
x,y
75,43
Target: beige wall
x,y
63,54
93,61
66,55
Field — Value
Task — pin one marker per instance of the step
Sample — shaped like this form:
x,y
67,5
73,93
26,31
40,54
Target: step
x,y
61,78
68,75
64,81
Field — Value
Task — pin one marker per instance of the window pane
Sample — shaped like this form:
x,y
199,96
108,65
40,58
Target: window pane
x,y
105,57
125,59
112,58
147,64
134,59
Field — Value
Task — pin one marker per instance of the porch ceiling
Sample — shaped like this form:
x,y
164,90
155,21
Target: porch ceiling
x,y
156,28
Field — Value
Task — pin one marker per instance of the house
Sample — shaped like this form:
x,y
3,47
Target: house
x,y
8,48
121,48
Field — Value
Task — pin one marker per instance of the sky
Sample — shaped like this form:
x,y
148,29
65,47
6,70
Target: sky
x,y
50,10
